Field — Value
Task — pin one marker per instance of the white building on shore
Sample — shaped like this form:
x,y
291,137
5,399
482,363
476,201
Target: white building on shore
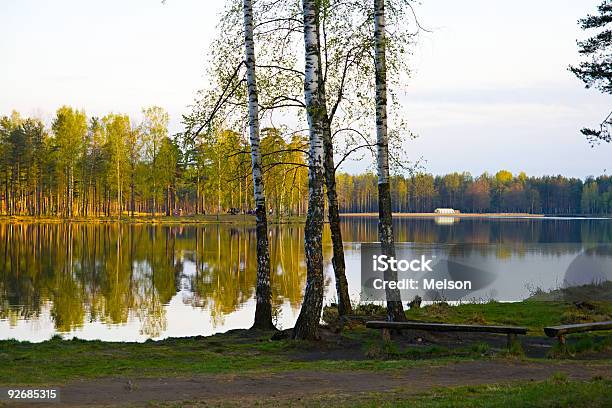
x,y
446,211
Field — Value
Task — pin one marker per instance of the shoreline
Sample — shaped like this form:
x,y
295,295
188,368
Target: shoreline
x,y
458,215
247,219
242,219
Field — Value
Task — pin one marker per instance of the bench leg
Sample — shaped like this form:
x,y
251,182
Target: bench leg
x,y
386,335
562,345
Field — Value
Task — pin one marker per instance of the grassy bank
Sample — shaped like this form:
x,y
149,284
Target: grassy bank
x,y
356,348
231,353
535,315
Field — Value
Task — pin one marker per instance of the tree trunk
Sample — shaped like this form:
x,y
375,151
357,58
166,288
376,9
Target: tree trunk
x,y
263,292
333,212
197,203
307,324
132,203
118,190
168,200
395,310
344,301
70,191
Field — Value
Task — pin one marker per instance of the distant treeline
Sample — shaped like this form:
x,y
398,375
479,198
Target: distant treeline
x,y
105,166
502,192
88,166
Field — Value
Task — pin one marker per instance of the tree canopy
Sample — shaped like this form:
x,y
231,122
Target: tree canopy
x,y
596,68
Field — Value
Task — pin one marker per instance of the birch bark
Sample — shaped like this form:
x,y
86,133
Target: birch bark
x,y
307,324
395,310
333,211
263,292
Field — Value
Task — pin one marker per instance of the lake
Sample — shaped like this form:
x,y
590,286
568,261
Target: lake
x,y
121,282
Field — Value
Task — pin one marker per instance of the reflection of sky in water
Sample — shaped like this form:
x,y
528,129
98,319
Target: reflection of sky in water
x,y
182,320
166,290
516,270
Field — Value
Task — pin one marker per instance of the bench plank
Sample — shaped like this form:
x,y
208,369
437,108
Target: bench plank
x,y
445,327
556,331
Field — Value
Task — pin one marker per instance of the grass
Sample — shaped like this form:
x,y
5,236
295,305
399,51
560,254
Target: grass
x,y
556,392
62,360
357,348
601,291
534,315
581,343
552,393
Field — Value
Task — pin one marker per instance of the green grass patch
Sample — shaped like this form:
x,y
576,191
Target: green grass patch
x,y
581,343
535,315
59,360
357,348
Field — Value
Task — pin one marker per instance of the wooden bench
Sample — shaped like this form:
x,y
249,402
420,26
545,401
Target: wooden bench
x,y
560,331
510,331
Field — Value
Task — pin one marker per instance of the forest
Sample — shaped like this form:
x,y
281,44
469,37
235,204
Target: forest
x,y
90,166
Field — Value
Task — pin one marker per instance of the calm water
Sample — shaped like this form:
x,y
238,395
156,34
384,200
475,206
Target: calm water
x,y
131,282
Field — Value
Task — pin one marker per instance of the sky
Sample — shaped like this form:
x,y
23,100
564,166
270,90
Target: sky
x,y
489,89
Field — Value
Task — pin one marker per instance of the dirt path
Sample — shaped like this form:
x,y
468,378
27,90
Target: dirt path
x,y
296,384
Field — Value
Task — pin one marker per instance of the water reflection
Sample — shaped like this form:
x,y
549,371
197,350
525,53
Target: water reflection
x,y
446,220
132,282
111,273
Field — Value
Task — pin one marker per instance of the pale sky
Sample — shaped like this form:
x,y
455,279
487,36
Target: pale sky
x,y
490,87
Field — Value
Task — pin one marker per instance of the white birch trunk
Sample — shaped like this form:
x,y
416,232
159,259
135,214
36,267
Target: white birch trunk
x,y
263,309
395,310
307,323
382,140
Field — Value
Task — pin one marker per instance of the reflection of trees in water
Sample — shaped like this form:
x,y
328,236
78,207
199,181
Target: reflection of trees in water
x,y
222,269
226,267
502,238
111,272
68,293
483,230
103,271
18,274
596,232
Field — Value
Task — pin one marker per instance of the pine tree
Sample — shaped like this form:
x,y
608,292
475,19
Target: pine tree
x,y
596,70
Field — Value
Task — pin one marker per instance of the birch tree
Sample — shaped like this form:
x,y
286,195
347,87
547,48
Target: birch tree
x,y
263,293
344,45
155,130
339,265
395,311
307,323
69,128
117,129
